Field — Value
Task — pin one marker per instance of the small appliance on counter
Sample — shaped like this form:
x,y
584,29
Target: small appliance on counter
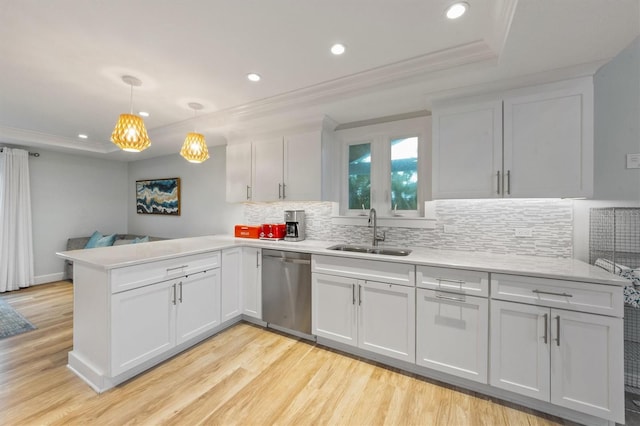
x,y
247,231
294,221
272,231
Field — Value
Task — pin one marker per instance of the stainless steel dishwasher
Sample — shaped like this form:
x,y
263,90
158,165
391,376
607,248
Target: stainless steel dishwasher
x,y
286,290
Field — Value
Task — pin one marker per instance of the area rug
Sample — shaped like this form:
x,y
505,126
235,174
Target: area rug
x,y
11,322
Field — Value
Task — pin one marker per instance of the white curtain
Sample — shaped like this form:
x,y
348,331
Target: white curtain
x,y
16,246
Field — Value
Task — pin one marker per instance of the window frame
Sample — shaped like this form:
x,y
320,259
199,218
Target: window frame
x,y
380,137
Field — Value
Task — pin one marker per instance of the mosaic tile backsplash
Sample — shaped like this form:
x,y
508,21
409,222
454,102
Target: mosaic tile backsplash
x,y
472,225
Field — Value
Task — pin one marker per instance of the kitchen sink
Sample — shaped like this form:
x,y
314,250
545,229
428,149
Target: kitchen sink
x,y
371,250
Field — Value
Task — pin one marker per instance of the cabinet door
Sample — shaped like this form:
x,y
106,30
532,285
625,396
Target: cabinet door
x,y
142,325
230,284
251,276
467,151
519,349
387,319
302,167
268,170
452,333
587,363
198,304
548,141
238,172
333,310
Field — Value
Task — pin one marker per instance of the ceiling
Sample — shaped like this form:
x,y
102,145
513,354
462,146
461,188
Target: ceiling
x,y
61,62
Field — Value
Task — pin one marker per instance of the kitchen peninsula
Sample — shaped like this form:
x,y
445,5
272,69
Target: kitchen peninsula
x,y
542,332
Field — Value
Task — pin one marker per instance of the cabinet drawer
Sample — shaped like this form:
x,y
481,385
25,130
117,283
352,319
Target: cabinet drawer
x,y
473,283
573,295
147,273
363,269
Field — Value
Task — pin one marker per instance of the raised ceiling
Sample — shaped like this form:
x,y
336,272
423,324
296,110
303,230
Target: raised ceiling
x,y
61,61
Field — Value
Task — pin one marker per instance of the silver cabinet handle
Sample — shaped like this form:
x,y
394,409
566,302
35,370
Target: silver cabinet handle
x,y
551,293
508,182
279,191
498,179
174,294
177,267
459,282
353,293
180,285
359,295
248,196
257,259
284,191
455,299
546,328
558,330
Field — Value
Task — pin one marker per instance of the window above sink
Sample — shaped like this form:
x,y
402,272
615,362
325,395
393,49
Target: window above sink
x,y
385,166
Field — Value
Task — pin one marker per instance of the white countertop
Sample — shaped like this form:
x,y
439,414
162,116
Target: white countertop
x,y
133,254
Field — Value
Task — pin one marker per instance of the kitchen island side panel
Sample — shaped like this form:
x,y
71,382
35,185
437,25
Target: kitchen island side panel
x,y
91,331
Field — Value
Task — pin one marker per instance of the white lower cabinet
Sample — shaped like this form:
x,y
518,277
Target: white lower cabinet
x,y
150,320
452,333
231,284
251,276
197,305
333,308
378,317
571,359
142,325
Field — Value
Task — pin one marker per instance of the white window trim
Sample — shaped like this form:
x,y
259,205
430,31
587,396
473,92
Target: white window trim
x,y
380,135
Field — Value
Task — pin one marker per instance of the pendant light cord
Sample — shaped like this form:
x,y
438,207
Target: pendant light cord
x,y
131,100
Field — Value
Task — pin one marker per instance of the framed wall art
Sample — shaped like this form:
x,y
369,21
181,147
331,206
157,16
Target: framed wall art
x,y
158,196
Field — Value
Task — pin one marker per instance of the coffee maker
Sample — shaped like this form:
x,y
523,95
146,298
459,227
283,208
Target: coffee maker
x,y
294,222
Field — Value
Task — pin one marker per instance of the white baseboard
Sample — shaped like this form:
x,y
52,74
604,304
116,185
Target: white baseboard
x,y
43,279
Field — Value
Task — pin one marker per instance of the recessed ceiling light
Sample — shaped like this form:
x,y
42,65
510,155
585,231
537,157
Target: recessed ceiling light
x,y
456,10
253,77
144,113
338,49
82,136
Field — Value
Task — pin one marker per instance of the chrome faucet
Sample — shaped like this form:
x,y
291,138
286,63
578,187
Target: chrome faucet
x,y
373,216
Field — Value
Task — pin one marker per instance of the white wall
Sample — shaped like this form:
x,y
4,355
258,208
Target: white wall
x,y
617,126
617,133
72,196
204,210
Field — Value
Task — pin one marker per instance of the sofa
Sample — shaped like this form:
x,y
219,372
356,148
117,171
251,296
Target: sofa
x,y
78,243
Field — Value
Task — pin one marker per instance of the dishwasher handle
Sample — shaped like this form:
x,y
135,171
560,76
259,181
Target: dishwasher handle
x,y
288,260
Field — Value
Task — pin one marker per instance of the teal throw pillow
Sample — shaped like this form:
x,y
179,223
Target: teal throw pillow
x,y
93,239
141,240
98,240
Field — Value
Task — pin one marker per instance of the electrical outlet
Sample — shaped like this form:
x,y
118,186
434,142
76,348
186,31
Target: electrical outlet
x,y
524,232
450,229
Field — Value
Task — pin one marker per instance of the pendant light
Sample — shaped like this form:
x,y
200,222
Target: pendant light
x,y
194,149
130,134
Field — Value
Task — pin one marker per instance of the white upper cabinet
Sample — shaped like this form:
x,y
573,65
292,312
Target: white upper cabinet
x,y
268,168
302,173
289,168
239,172
467,150
527,143
295,165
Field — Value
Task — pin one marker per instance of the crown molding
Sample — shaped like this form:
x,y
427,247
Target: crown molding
x,y
44,140
340,88
503,13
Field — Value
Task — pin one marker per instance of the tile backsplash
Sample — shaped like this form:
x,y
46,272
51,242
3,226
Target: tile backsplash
x,y
472,225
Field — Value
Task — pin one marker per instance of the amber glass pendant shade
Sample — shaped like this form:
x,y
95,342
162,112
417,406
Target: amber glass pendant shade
x,y
130,134
194,149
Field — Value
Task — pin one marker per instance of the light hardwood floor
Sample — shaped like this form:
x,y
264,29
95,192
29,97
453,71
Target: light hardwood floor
x,y
245,375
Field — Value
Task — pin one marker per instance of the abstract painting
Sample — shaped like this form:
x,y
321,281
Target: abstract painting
x,y
158,196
